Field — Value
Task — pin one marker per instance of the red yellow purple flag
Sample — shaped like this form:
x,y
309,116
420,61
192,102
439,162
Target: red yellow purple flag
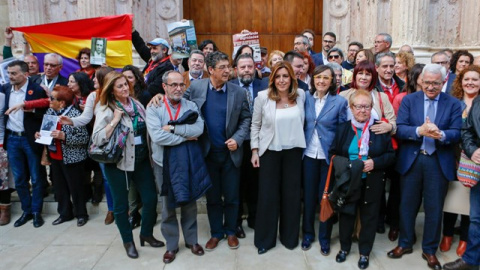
x,y
67,38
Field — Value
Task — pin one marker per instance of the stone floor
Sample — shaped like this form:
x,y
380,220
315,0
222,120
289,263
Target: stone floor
x,y
97,246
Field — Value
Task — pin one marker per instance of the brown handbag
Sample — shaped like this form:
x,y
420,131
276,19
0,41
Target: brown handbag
x,y
326,210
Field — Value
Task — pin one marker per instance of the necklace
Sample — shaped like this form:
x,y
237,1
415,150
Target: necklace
x,y
286,105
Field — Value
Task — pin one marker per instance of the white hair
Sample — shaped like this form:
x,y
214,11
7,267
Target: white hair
x,y
435,69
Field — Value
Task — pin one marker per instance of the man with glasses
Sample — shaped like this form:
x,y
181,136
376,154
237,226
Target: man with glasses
x,y
196,61
52,64
382,43
225,110
311,39
353,48
335,55
300,44
442,58
428,124
329,41
23,153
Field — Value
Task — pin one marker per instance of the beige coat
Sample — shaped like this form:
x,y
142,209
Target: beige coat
x,y
263,120
388,111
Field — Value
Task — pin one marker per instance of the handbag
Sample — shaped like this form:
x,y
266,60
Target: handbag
x,y
112,151
468,172
45,161
326,210
394,140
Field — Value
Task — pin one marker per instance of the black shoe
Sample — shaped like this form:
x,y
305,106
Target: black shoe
x,y
306,243
381,228
325,249
60,220
262,251
151,240
239,232
37,220
23,219
459,264
82,221
341,256
135,220
363,262
131,250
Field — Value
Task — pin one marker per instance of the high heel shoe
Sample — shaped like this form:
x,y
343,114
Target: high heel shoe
x,y
134,220
151,240
131,250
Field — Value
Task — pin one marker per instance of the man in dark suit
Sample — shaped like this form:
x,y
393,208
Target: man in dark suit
x,y
224,107
20,141
245,67
296,60
52,64
441,58
329,41
196,61
429,125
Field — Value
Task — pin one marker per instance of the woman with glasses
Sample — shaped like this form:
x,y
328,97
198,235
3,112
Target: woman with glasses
x,y
368,154
324,111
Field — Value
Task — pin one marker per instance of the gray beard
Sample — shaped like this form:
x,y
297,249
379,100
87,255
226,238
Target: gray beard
x,y
246,80
157,57
196,73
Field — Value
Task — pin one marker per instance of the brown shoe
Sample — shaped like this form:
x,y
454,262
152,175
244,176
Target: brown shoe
x,y
212,243
233,242
196,249
169,256
462,246
109,219
459,264
5,214
446,243
393,234
432,261
398,252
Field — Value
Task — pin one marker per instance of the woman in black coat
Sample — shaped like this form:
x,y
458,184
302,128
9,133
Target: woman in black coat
x,y
370,154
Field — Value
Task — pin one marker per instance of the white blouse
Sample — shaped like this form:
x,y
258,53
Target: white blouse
x,y
288,130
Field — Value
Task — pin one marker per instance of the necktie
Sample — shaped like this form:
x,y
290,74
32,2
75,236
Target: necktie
x,y
249,97
429,143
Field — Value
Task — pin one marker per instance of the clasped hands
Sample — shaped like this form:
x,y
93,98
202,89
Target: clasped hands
x,y
429,129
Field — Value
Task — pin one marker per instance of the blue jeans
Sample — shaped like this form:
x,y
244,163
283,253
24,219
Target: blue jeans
x,y
20,150
472,254
106,187
223,196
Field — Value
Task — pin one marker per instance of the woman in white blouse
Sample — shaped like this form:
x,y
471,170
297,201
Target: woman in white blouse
x,y
277,142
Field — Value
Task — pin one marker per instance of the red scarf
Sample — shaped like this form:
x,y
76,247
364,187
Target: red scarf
x,y
153,65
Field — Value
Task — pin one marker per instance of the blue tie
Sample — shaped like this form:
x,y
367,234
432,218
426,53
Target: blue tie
x,y
429,143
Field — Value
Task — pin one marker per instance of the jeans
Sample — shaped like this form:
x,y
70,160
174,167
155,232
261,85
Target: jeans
x,y
472,254
20,150
106,187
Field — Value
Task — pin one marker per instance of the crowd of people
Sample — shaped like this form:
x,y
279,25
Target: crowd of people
x,y
257,141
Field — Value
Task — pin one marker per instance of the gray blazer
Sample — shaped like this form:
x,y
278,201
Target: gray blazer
x,y
238,115
263,120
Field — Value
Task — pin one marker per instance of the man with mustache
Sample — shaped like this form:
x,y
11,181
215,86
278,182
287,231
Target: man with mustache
x,y
329,41
196,61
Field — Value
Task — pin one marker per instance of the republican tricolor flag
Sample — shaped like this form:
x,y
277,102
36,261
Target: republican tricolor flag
x,y
67,38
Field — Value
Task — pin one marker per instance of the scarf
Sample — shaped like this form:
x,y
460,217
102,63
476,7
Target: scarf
x,y
365,138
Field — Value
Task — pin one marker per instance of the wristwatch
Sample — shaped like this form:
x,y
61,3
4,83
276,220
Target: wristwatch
x,y
172,129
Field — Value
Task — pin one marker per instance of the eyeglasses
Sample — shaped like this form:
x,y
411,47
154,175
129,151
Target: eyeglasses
x,y
379,41
441,63
362,107
51,65
336,56
434,84
323,77
224,67
175,85
52,98
329,41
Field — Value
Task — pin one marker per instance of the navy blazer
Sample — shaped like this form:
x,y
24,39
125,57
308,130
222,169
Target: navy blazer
x,y
334,112
451,78
238,115
448,119
31,120
39,78
318,59
258,85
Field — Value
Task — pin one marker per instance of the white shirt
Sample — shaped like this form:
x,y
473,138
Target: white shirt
x,y
15,120
444,87
314,149
288,130
192,78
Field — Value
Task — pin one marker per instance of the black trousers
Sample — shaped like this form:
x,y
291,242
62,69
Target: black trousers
x,y
368,220
449,220
279,196
68,184
248,187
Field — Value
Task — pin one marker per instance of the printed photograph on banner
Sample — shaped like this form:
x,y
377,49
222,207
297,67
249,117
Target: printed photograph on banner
x,y
98,51
3,70
251,39
182,38
49,124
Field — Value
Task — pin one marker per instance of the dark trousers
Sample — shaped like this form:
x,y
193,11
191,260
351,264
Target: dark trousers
x,y
222,197
368,221
248,187
6,196
471,255
69,184
314,179
449,220
279,195
424,180
393,204
143,178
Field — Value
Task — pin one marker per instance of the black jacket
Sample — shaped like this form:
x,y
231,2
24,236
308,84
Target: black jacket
x,y
471,129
